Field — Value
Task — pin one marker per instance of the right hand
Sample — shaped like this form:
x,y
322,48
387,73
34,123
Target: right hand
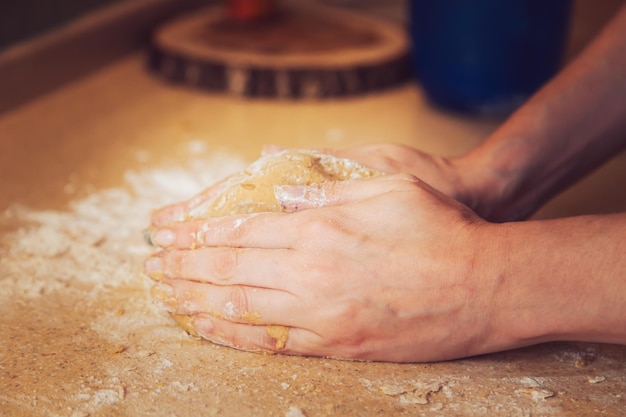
x,y
386,269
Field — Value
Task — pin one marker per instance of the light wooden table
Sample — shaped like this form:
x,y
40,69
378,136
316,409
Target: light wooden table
x,y
78,347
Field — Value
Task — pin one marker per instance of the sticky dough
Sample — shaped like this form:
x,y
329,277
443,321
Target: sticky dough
x,y
253,191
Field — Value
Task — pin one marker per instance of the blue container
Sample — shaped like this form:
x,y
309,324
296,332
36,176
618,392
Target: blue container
x,y
487,56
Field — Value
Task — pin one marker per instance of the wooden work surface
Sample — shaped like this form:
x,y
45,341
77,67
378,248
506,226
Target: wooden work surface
x,y
81,167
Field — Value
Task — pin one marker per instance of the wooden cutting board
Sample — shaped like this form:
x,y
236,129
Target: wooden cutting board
x,y
303,51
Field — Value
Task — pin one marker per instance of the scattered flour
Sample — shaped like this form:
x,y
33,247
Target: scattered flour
x,y
95,249
295,412
98,240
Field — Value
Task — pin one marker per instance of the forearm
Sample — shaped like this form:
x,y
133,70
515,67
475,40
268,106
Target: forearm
x,y
574,124
561,279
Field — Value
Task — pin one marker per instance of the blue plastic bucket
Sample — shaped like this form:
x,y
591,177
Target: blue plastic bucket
x,y
487,56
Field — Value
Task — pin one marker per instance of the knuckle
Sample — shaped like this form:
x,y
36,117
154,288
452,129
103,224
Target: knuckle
x,y
237,303
343,331
324,226
269,343
173,262
240,336
348,312
238,231
225,263
198,234
321,273
405,181
256,340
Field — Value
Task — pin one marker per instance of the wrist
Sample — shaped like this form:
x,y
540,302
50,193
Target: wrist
x,y
512,297
508,177
556,280
484,189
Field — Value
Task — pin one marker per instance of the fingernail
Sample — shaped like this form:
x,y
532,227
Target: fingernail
x,y
153,267
163,295
164,237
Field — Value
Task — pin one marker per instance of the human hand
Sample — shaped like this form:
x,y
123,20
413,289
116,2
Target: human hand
x,y
439,172
460,178
467,178
389,269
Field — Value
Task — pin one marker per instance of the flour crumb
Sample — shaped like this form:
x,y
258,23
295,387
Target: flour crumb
x,y
393,389
165,363
412,392
106,397
537,394
295,412
529,382
179,386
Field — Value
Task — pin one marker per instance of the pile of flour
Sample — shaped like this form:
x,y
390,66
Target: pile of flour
x,y
98,241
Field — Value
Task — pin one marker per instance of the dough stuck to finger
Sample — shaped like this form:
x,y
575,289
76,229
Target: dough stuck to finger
x,y
253,191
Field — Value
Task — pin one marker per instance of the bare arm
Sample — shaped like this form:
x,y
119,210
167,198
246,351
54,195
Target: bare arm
x,y
562,279
574,124
571,126
424,279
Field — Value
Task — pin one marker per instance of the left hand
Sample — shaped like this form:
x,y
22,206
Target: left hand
x,y
389,269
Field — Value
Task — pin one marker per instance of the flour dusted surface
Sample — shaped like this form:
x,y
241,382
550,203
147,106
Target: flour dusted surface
x,y
79,335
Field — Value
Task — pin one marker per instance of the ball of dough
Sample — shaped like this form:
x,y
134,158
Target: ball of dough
x,y
252,190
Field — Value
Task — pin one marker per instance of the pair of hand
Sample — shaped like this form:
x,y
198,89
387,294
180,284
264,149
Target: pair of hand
x,y
388,269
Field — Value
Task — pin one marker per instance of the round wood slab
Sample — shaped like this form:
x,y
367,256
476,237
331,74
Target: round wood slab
x,y
302,52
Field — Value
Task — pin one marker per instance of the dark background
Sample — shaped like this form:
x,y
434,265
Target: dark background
x,y
22,19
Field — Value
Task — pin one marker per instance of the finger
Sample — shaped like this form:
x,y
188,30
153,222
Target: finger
x,y
267,230
300,197
294,341
227,266
176,212
236,303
